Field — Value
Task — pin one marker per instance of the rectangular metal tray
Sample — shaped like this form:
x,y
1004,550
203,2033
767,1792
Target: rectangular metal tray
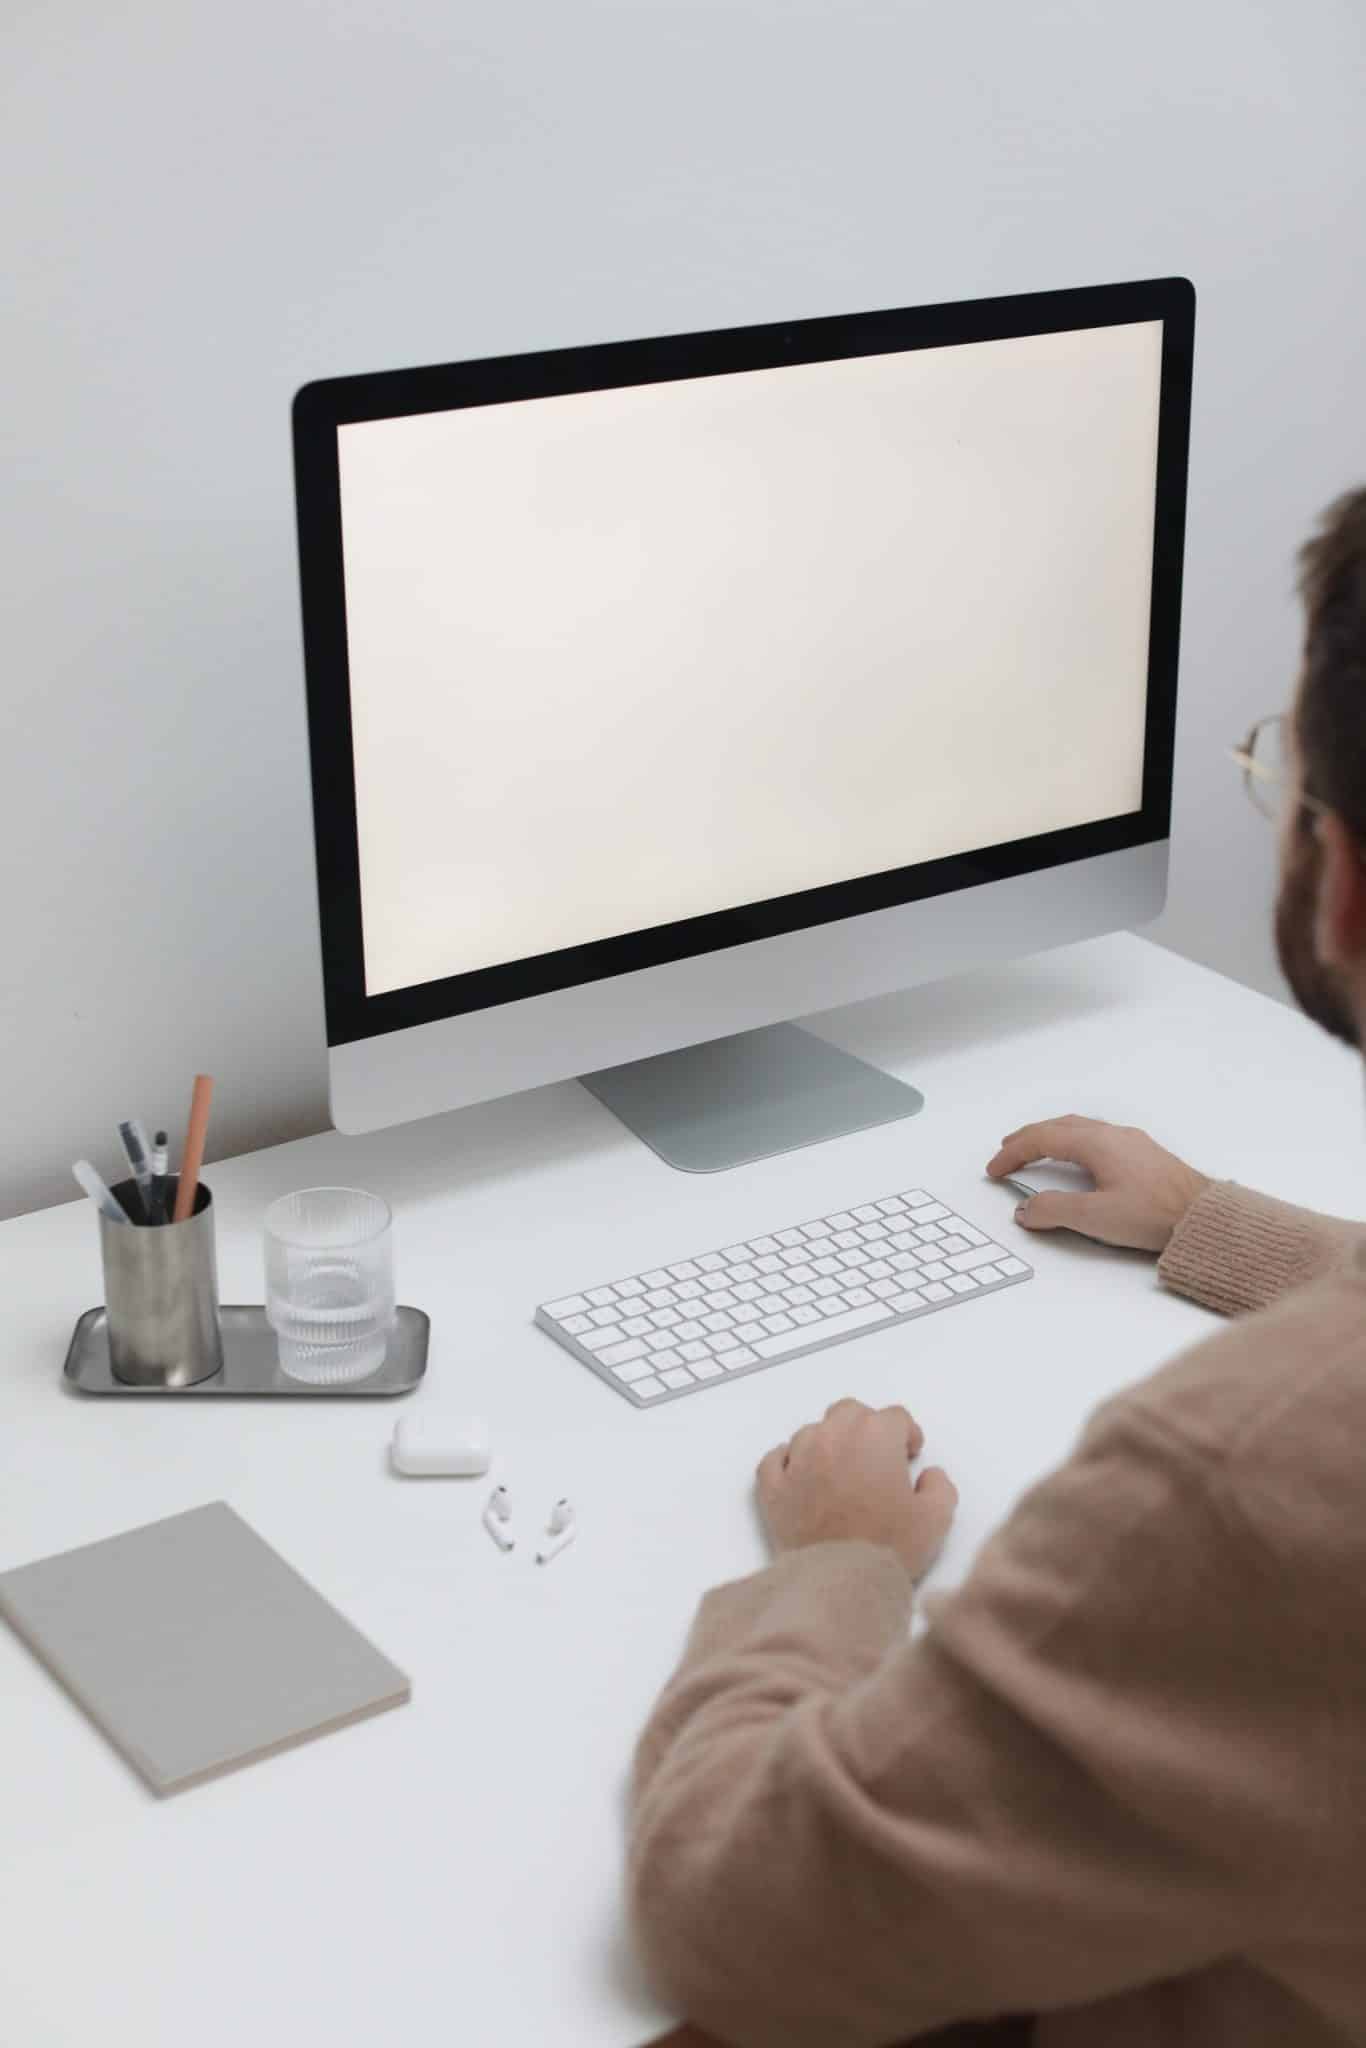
x,y
250,1361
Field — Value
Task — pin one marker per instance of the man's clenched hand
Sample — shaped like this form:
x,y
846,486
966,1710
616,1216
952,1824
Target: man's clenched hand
x,y
846,1479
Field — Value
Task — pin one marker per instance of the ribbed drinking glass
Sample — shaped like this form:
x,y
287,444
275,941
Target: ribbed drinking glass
x,y
330,1282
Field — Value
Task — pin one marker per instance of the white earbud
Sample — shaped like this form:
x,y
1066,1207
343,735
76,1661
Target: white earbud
x,y
561,1529
497,1512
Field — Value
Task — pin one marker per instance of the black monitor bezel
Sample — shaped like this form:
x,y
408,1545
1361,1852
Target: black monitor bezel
x,y
321,407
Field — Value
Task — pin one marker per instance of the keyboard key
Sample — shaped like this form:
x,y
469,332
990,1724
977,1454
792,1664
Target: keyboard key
x,y
885,1289
825,1267
645,1390
986,1274
744,1269
638,1326
763,1244
965,1262
963,1283
572,1305
790,1237
685,1270
626,1288
598,1341
691,1290
850,1319
711,1262
661,1297
929,1233
605,1318
621,1354
576,1324
773,1324
852,1261
661,1360
721,1343
877,1269
659,1340
845,1240
733,1252
707,1368
694,1350
904,1262
872,1233
906,1304
843,1221
805,1316
833,1307
858,1297
748,1290
719,1321
799,1297
966,1230
903,1240
659,1278
1012,1266
748,1332
891,1205
678,1376
686,1333
935,1290
935,1212
636,1369
814,1232
769,1262
665,1318
793,1258
769,1305
801,1273
866,1214
742,1355
953,1244
916,1198
722,1298
824,1288
935,1269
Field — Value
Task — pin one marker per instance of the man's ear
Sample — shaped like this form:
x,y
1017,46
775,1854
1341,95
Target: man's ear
x,y
1340,912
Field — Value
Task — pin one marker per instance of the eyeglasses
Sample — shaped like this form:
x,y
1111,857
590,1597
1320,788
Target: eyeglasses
x,y
1262,758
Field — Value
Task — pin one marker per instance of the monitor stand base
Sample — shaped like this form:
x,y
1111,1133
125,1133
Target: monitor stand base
x,y
709,1107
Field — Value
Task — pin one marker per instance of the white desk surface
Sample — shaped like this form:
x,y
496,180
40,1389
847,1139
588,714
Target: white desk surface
x,y
450,1871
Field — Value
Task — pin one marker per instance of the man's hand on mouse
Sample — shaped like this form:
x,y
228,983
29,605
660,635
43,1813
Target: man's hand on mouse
x,y
1141,1192
845,1479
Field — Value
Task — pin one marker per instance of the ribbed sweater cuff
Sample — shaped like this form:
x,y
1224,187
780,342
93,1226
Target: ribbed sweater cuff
x,y
856,1595
1234,1250
821,1617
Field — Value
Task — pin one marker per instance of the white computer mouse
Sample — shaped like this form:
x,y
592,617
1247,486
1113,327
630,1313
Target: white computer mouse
x,y
1050,1176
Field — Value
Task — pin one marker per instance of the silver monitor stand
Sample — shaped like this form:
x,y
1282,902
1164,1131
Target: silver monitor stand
x,y
734,1100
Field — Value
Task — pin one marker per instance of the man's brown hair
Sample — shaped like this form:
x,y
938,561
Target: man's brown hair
x,y
1331,722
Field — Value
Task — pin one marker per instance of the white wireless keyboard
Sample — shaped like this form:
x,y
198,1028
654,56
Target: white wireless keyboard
x,y
709,1318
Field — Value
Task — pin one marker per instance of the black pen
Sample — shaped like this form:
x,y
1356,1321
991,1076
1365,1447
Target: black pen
x,y
134,1138
159,1164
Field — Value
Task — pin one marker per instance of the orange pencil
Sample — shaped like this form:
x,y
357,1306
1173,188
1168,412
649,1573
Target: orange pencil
x,y
193,1156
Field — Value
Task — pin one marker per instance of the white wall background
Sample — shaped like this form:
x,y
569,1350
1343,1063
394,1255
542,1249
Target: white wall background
x,y
210,205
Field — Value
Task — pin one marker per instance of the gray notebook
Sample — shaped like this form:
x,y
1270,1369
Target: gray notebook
x,y
194,1646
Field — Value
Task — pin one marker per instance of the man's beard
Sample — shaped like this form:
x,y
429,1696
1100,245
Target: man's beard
x,y
1317,989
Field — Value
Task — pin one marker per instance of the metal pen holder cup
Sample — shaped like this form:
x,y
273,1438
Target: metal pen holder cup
x,y
161,1294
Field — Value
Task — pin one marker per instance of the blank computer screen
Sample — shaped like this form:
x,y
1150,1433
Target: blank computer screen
x,y
627,656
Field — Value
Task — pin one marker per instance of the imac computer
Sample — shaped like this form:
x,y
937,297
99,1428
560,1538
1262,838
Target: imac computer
x,y
663,692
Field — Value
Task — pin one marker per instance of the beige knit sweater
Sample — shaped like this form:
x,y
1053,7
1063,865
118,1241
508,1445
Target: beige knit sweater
x,y
1120,1782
